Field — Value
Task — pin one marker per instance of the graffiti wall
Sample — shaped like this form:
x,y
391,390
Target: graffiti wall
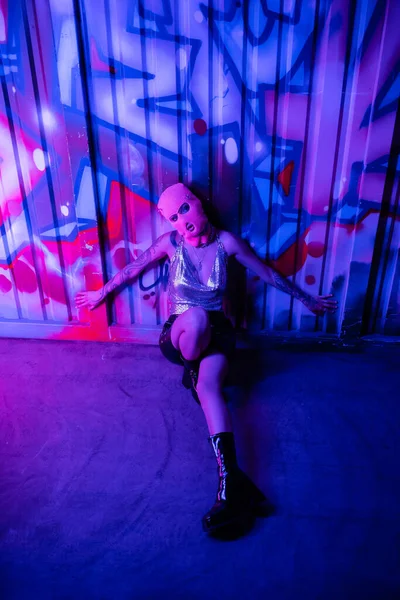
x,y
280,114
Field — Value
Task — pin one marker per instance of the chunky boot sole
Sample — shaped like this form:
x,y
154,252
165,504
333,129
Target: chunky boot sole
x,y
241,522
239,501
234,525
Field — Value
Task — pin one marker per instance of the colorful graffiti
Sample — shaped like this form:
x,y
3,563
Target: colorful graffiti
x,y
280,114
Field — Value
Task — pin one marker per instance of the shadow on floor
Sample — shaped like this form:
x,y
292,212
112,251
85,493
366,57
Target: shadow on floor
x,y
106,472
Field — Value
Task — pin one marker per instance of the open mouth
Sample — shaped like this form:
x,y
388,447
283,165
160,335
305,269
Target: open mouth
x,y
190,227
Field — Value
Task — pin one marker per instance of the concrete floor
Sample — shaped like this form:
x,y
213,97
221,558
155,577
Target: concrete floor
x,y
106,472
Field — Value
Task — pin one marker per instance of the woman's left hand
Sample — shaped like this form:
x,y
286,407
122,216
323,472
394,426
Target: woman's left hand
x,y
319,305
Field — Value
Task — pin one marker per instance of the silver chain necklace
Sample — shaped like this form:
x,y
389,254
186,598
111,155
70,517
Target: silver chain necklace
x,y
200,261
205,247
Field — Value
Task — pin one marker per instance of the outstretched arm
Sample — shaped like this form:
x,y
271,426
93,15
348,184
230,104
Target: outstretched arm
x,y
236,247
155,252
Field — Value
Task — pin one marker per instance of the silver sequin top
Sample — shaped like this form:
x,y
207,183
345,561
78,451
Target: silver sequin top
x,y
185,290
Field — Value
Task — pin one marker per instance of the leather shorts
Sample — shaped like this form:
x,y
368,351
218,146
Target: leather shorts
x,y
223,338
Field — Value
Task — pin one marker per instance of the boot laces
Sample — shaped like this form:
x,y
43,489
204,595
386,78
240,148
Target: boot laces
x,y
222,472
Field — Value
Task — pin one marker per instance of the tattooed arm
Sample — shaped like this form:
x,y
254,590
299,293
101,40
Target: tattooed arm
x,y
236,247
161,247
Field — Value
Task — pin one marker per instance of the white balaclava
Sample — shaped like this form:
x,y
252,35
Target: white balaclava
x,y
183,210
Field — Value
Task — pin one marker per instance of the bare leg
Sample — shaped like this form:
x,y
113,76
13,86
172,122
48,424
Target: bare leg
x,y
213,370
191,333
238,499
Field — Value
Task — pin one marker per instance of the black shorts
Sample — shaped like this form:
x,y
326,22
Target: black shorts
x,y
223,337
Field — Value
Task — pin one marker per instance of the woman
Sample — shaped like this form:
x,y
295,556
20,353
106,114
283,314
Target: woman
x,y
198,335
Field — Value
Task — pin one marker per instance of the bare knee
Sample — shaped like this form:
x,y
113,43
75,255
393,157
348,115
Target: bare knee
x,y
192,334
197,318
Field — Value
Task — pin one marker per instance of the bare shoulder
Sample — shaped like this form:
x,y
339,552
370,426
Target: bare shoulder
x,y
232,243
168,242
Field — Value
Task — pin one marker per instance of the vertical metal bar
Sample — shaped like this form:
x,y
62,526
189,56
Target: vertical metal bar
x,y
349,43
2,227
44,144
210,10
381,254
305,148
273,152
24,198
178,93
149,143
243,128
117,132
86,81
146,107
3,234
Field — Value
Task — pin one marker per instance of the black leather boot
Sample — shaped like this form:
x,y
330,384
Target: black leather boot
x,y
238,500
190,376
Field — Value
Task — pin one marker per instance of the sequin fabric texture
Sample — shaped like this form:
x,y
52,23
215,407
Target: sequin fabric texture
x,y
185,290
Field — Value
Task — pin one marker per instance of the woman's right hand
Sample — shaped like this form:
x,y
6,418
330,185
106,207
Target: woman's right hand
x,y
89,299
